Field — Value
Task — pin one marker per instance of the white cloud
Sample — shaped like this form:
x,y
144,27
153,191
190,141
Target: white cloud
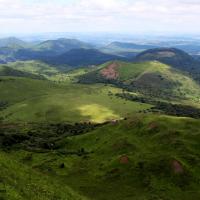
x,y
100,15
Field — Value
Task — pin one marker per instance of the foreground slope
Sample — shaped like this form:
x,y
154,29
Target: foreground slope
x,y
20,182
145,157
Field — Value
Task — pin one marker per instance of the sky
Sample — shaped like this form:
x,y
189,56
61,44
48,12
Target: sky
x,y
117,16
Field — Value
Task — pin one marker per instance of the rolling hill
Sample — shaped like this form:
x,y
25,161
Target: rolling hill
x,y
13,49
82,57
61,45
149,78
9,71
50,48
173,57
34,67
144,157
126,47
38,101
12,42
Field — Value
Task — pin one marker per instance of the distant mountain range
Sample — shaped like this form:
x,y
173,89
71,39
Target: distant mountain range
x,y
82,57
12,49
123,47
73,53
61,45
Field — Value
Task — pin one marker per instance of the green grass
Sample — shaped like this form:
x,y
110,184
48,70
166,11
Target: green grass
x,y
129,71
150,143
35,67
155,79
41,69
40,101
20,182
38,68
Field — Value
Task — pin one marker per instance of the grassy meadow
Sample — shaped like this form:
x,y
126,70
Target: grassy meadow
x,y
45,101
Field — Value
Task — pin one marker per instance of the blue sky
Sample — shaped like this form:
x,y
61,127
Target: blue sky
x,y
124,16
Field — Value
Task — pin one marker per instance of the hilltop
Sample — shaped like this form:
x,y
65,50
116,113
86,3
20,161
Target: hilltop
x,y
61,45
173,57
150,78
12,42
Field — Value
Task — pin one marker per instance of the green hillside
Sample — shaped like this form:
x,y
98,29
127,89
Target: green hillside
x,y
20,182
38,70
9,71
35,67
145,157
149,78
45,101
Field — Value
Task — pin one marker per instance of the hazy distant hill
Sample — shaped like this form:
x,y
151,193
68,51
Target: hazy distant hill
x,y
125,49
12,42
61,45
13,49
128,46
82,57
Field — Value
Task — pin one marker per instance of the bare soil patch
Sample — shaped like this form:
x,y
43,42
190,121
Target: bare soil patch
x,y
110,72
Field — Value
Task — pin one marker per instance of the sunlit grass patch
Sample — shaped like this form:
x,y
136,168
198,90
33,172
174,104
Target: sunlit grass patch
x,y
98,113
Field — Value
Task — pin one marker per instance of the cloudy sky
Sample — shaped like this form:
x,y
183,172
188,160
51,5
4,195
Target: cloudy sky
x,y
125,16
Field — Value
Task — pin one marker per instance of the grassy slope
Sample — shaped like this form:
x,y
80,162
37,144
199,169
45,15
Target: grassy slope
x,y
37,100
150,144
19,182
8,71
35,67
186,85
156,76
38,68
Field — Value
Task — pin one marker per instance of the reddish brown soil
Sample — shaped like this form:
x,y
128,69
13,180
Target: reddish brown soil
x,y
177,167
153,125
124,160
110,72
